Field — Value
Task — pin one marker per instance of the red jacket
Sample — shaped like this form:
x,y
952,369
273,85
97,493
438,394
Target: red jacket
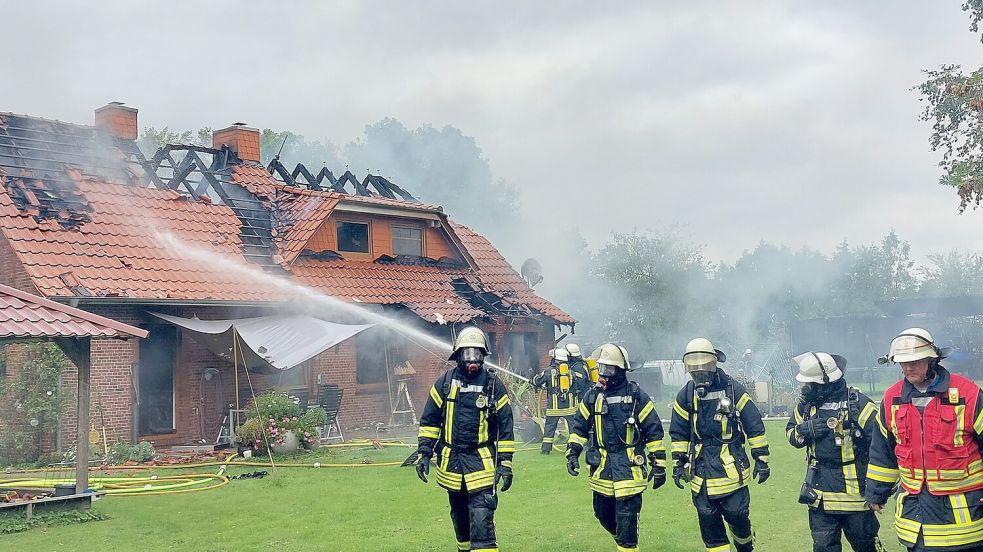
x,y
937,447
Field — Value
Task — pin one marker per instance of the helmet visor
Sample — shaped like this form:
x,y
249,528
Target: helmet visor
x,y
472,355
699,358
607,370
909,348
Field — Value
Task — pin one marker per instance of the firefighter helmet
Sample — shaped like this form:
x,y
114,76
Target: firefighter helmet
x,y
612,355
819,367
470,337
913,344
559,355
573,350
700,355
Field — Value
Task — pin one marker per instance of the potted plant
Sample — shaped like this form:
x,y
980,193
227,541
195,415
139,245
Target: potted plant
x,y
275,419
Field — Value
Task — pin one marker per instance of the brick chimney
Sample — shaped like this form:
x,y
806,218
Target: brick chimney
x,y
243,140
118,119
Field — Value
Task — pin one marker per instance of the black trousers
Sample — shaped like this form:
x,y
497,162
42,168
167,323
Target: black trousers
x,y
549,432
619,516
735,509
473,516
860,529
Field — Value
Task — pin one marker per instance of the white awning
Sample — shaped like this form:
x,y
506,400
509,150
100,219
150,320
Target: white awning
x,y
268,343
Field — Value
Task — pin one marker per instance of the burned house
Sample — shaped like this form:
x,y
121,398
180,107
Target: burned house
x,y
194,235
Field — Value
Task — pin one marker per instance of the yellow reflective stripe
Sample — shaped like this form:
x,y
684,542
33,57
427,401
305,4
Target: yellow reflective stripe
x,y
584,411
882,474
646,410
568,411
504,401
960,509
758,441
429,432
842,502
464,546
654,446
743,401
482,426
978,424
509,446
865,414
678,409
598,426
741,540
722,548
679,446
799,418
627,548
960,425
574,438
437,399
449,419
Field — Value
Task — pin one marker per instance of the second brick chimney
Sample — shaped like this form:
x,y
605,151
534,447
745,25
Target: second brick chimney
x,y
118,119
243,140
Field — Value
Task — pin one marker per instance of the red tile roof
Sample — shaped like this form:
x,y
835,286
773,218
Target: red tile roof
x,y
122,252
25,315
498,274
122,248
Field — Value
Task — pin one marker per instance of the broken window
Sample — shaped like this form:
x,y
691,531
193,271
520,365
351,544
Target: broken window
x,y
376,353
155,380
353,237
407,241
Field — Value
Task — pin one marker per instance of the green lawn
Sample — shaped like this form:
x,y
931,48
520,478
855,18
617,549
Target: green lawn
x,y
389,509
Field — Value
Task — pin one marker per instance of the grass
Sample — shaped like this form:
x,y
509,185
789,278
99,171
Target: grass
x,y
389,509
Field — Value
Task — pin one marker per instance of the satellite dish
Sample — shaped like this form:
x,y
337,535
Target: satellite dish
x,y
532,272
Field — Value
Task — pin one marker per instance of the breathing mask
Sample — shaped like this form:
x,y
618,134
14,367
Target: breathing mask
x,y
470,361
609,375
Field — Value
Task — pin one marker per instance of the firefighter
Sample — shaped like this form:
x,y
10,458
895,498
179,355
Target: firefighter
x,y
558,381
581,372
834,423
930,429
467,427
713,416
618,423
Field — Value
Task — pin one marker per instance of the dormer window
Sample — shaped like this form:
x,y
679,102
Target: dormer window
x,y
353,237
407,240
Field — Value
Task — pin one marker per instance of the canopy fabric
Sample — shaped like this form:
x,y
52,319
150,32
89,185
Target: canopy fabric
x,y
268,343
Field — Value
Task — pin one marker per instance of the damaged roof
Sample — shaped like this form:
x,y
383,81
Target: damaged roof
x,y
23,315
86,215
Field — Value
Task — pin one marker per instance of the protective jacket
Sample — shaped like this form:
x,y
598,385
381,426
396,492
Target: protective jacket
x,y
581,378
558,380
932,441
711,436
623,427
464,423
837,461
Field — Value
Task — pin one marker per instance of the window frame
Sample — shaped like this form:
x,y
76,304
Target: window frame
x,y
414,227
368,236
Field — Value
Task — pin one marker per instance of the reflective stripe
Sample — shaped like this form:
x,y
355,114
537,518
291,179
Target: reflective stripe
x,y
626,399
464,546
758,441
646,410
865,414
679,446
921,402
678,409
882,474
740,540
722,548
745,398
429,432
960,509
654,446
467,388
437,399
957,439
978,424
449,419
574,438
584,411
506,446
504,401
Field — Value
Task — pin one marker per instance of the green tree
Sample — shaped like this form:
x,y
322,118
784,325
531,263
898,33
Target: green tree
x,y
152,139
954,106
952,274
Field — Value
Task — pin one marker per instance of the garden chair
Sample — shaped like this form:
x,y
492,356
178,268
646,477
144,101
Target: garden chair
x,y
329,398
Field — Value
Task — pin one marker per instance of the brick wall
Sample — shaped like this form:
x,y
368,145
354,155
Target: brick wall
x,y
12,272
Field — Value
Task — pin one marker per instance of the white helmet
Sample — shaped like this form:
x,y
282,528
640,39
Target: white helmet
x,y
913,344
469,337
574,350
612,355
559,355
700,355
819,367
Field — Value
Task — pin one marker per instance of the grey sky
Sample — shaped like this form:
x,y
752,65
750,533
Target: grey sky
x,y
786,121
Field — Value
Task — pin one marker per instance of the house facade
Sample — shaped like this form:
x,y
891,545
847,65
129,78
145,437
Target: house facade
x,y
210,233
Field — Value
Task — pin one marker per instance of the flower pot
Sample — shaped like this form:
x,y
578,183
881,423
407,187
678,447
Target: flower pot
x,y
289,445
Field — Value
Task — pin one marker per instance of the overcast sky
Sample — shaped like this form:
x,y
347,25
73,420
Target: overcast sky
x,y
787,121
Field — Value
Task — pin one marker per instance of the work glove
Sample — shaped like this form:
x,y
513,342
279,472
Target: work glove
x,y
423,465
573,458
657,473
504,473
679,474
761,471
812,430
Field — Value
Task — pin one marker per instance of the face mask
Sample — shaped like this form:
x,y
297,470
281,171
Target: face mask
x,y
609,375
471,360
702,378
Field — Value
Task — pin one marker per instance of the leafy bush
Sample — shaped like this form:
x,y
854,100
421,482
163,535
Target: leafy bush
x,y
122,452
34,399
273,405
